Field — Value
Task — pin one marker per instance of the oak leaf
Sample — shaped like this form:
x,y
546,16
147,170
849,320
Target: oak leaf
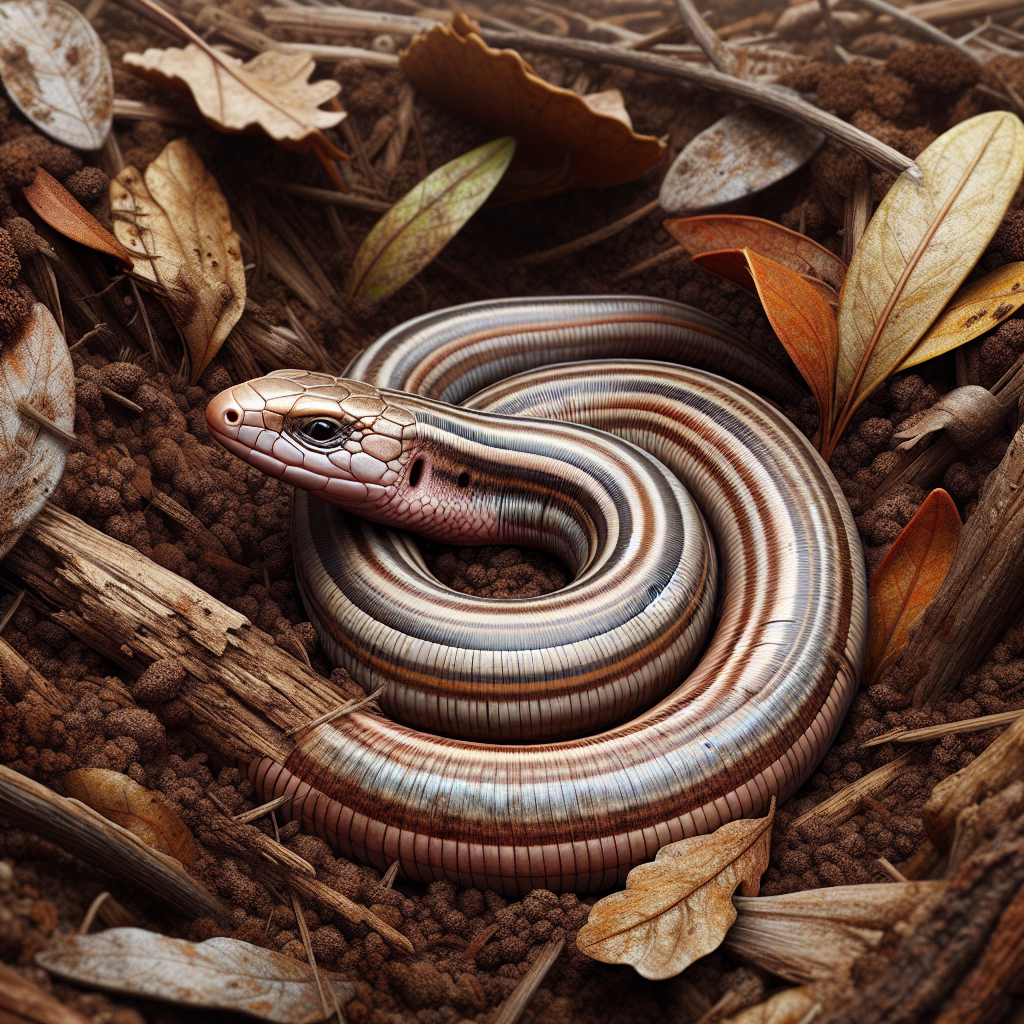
x,y
740,155
908,578
424,220
175,222
922,242
35,368
64,213
678,908
57,71
976,308
563,140
272,91
122,800
219,974
797,252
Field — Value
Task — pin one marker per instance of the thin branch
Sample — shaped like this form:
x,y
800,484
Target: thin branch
x,y
718,53
44,421
257,812
585,241
934,732
922,28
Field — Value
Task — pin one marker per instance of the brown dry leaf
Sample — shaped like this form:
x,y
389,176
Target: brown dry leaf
x,y
908,578
730,231
975,309
22,1001
969,415
57,71
740,155
272,91
177,220
818,934
35,367
220,974
679,907
563,142
919,246
64,213
123,801
424,220
790,1006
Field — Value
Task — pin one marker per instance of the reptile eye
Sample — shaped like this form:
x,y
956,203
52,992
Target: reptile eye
x,y
322,431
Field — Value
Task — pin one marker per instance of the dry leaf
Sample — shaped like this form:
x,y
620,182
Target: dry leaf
x,y
802,320
969,415
123,801
220,974
679,907
908,578
425,220
57,71
727,231
740,155
23,1001
563,142
64,213
975,309
919,246
790,1006
817,935
272,91
35,367
178,215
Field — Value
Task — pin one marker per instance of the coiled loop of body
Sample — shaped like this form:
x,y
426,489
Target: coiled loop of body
x,y
701,661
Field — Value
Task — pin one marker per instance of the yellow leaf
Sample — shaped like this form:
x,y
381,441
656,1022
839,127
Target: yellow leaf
x,y
679,907
920,245
565,141
975,309
123,801
272,91
425,220
908,578
176,224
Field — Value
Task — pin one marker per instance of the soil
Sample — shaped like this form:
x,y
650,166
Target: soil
x,y
139,727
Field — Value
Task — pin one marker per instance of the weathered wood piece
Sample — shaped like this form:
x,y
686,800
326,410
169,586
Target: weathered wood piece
x,y
87,834
983,591
243,690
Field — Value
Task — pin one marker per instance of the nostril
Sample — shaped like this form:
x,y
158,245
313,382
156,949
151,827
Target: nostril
x,y
231,415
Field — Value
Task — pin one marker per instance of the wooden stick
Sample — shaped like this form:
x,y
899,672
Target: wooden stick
x,y
585,241
652,261
333,198
512,1008
875,152
718,53
246,817
45,422
905,16
934,732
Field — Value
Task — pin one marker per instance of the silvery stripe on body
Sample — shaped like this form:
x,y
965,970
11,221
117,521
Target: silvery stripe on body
x,y
760,706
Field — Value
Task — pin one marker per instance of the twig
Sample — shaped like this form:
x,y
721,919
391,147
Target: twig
x,y
126,402
44,421
300,920
875,152
478,942
348,707
257,812
644,265
135,110
330,197
857,213
833,32
389,876
922,28
519,998
934,732
90,914
891,870
585,241
12,608
718,53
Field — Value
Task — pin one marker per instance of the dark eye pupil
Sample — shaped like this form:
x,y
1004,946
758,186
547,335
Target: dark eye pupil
x,y
321,430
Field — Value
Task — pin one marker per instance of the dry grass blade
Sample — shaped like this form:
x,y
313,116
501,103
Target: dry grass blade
x,y
36,371
731,231
57,71
679,908
423,221
122,800
920,245
740,155
64,213
176,218
934,732
221,973
976,308
908,578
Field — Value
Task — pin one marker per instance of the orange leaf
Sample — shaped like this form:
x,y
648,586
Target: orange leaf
x,y
908,578
729,264
794,251
564,141
64,213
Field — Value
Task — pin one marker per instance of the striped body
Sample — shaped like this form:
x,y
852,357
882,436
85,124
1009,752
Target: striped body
x,y
572,746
